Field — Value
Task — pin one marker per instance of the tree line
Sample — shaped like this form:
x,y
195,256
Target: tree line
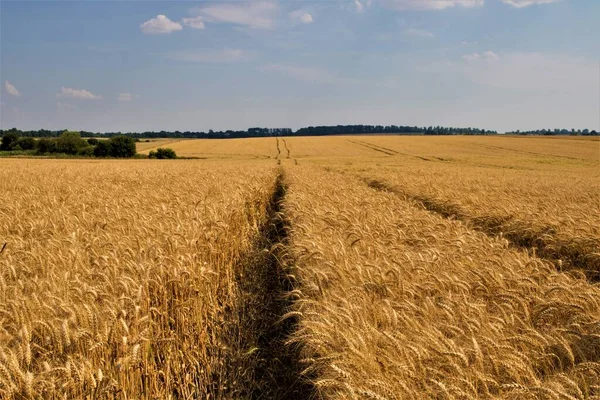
x,y
269,132
389,129
307,131
572,132
69,143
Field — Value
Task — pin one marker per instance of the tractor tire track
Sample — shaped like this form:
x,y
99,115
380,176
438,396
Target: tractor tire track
x,y
566,255
391,152
287,149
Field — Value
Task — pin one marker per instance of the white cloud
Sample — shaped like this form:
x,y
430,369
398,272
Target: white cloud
x,y
11,89
403,5
194,23
160,24
421,33
552,73
256,14
359,6
301,16
66,93
490,55
526,3
127,96
485,56
212,56
306,74
62,106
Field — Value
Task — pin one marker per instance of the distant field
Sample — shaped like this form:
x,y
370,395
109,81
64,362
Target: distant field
x,y
515,151
346,267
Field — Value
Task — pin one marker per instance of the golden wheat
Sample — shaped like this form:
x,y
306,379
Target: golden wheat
x,y
119,278
408,304
371,267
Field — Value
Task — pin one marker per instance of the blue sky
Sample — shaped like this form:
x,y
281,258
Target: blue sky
x,y
199,65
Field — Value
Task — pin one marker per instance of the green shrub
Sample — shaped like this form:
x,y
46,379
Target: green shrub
x,y
102,149
70,142
26,143
46,145
121,147
8,141
161,154
87,151
93,141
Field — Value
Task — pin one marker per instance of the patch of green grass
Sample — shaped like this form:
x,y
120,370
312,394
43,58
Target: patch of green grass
x,y
17,153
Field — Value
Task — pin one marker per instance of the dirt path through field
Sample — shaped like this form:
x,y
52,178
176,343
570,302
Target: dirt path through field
x,y
267,285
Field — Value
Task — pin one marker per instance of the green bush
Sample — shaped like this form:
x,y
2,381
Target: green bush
x,y
8,141
93,141
26,143
87,151
162,154
70,142
121,147
102,149
46,145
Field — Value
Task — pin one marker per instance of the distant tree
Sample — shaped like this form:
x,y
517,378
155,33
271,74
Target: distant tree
x,y
121,147
102,149
46,145
26,143
92,141
70,142
87,151
8,141
162,154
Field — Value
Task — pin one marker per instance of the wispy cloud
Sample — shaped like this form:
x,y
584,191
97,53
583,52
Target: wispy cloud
x,y
361,5
420,33
62,106
123,97
403,5
68,93
302,17
527,3
194,23
212,56
11,89
306,74
358,6
485,56
255,14
160,25
529,71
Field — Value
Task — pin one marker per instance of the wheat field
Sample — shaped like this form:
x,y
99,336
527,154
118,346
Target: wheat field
x,y
346,267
